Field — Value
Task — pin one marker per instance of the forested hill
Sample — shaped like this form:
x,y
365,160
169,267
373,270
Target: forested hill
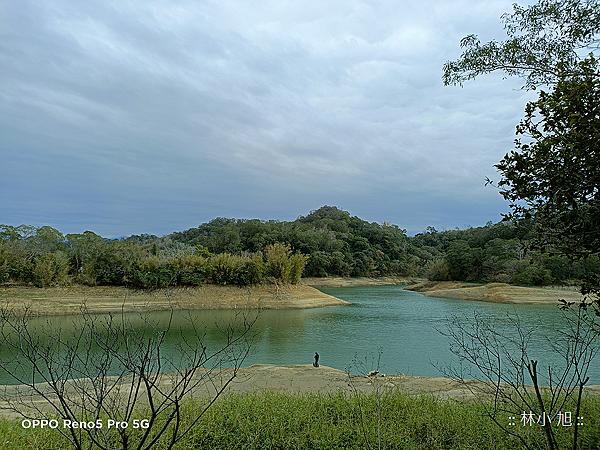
x,y
326,242
336,243
339,244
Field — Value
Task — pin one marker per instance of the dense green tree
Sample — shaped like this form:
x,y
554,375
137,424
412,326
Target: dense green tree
x,y
495,252
545,42
554,177
11,233
560,268
117,262
465,263
317,265
48,239
86,250
50,269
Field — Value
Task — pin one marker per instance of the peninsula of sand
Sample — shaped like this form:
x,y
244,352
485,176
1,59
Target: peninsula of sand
x,y
491,292
99,299
495,292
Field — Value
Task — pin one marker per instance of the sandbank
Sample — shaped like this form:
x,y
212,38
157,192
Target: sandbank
x,y
98,299
495,292
334,282
297,380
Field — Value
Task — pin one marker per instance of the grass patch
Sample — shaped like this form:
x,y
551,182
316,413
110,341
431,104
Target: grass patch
x,y
333,421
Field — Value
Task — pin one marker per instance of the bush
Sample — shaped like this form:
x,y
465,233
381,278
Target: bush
x,y
251,270
438,271
283,266
501,278
52,268
154,273
4,265
191,269
222,269
297,262
191,278
278,264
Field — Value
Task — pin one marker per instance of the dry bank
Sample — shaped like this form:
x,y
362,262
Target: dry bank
x,y
102,299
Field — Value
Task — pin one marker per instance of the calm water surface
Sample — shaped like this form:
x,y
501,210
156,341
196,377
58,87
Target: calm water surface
x,y
403,324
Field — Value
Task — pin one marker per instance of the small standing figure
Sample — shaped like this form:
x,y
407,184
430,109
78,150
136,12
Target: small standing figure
x,y
316,363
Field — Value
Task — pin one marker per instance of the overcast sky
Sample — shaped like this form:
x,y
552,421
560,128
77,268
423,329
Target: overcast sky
x,y
141,116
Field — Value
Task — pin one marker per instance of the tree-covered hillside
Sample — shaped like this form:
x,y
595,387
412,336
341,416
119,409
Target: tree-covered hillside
x,y
501,252
326,242
335,242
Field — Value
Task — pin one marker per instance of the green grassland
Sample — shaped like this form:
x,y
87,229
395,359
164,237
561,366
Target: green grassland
x,y
393,420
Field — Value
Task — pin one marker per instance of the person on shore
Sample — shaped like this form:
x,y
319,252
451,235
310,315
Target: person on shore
x,y
316,363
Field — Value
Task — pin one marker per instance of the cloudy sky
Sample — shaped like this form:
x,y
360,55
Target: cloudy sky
x,y
150,116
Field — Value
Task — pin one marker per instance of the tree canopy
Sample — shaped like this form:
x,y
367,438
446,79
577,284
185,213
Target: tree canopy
x,y
326,242
555,177
552,179
545,42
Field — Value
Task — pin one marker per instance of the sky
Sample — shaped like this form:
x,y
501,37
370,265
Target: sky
x,y
152,116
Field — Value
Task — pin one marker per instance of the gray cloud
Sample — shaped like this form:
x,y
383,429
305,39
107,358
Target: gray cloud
x,y
131,117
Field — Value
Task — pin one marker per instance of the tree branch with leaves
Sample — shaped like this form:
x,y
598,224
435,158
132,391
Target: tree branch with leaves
x,y
545,42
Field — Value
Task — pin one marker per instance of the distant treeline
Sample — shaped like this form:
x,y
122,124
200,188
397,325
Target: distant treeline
x,y
500,252
327,242
44,257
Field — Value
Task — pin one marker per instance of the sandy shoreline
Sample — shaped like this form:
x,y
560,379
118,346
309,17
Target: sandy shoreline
x,y
285,379
301,379
306,378
494,292
69,300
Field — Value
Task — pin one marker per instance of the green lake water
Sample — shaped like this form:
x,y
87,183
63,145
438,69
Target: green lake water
x,y
403,324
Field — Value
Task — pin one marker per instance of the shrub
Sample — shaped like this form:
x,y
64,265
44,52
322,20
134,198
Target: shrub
x,y
438,271
191,269
251,270
154,273
283,266
297,263
278,264
501,278
256,268
52,268
222,269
